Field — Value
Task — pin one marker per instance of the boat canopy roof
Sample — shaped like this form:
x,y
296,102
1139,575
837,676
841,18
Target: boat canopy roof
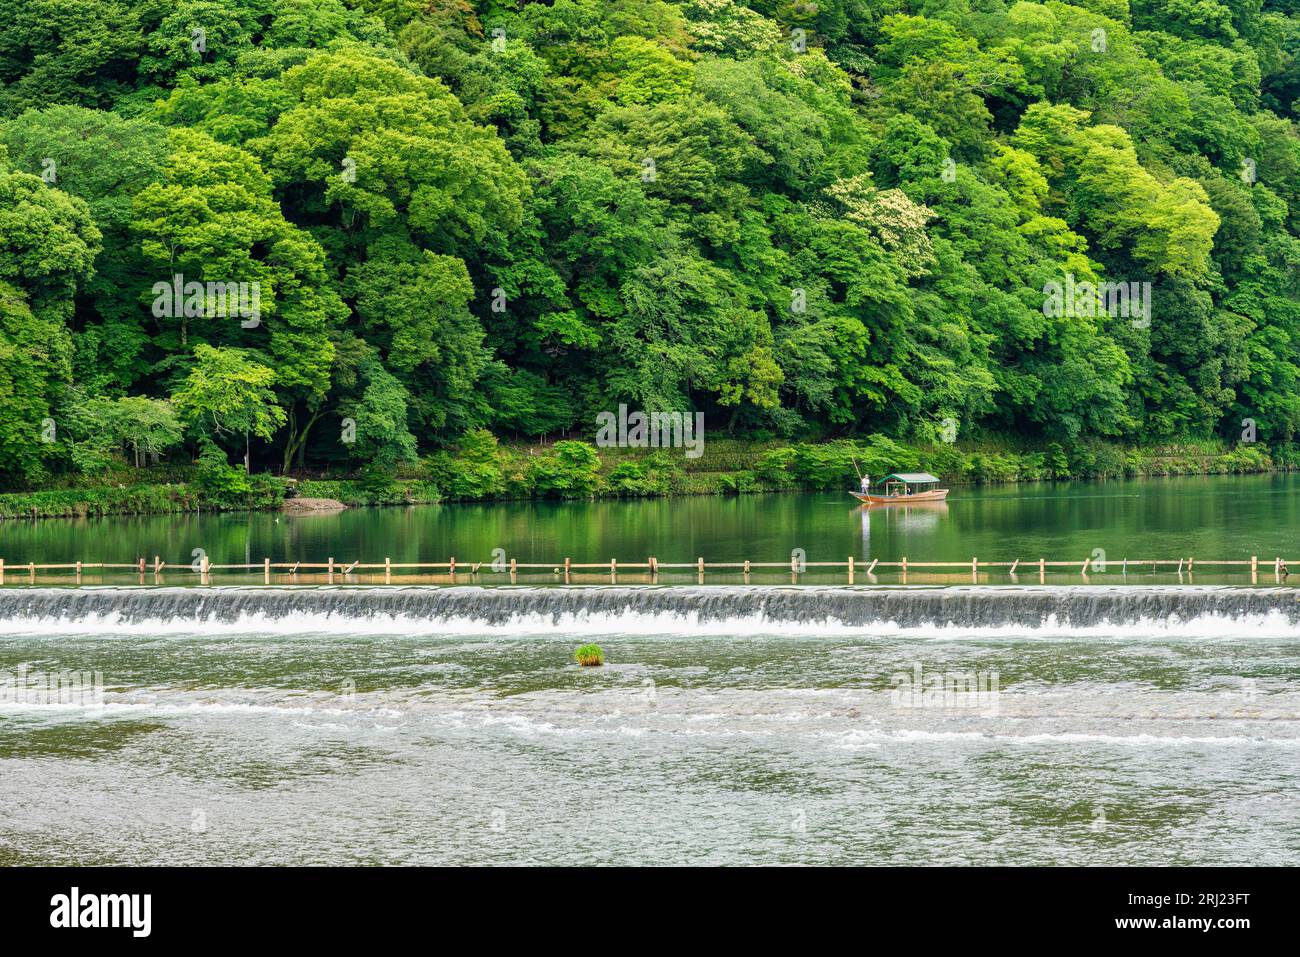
x,y
911,478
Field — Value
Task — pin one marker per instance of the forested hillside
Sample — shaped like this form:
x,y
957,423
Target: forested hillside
x,y
805,220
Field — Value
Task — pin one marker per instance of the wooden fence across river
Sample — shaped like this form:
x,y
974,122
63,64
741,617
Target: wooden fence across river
x,y
451,572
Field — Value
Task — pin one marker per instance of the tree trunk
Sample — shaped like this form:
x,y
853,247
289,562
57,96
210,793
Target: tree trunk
x,y
288,444
297,444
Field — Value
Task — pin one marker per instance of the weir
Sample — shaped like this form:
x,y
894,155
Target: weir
x,y
974,606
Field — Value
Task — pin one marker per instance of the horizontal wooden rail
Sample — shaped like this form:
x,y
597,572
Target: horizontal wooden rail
x,y
487,566
880,563
350,571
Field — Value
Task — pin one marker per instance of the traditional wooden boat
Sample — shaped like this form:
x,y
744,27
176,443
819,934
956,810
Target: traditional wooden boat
x,y
905,488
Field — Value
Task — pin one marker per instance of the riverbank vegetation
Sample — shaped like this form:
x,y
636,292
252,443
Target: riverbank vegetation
x,y
359,238
482,469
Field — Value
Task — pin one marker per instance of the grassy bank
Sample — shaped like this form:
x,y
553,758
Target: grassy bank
x,y
482,469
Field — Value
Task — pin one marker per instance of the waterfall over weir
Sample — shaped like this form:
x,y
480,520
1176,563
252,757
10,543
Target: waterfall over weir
x,y
908,607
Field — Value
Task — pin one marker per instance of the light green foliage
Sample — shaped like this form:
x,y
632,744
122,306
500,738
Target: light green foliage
x,y
229,392
98,430
647,73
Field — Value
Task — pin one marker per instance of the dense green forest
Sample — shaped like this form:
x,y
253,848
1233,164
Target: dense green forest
x,y
352,232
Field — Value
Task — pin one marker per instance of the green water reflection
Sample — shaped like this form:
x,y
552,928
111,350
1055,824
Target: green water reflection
x,y
1220,517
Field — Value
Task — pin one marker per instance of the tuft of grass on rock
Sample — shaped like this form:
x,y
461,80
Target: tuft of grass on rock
x,y
589,656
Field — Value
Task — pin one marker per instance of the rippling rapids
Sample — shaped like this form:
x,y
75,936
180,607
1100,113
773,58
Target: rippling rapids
x,y
729,725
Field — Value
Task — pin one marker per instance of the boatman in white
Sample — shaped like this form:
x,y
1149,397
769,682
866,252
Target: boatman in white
x,y
866,485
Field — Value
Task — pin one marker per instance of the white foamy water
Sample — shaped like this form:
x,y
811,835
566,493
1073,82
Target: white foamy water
x,y
1273,625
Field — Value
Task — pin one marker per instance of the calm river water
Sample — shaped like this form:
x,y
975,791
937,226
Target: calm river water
x,y
1219,517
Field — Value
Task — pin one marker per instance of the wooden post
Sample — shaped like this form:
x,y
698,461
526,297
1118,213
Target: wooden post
x,y
850,569
566,571
452,569
872,567
31,571
1277,569
388,570
1042,572
904,569
974,571
746,571
205,565
1254,570
700,567
266,571
331,571
514,571
1084,570
2,571
654,569
140,565
1189,564
78,573
613,571
1014,565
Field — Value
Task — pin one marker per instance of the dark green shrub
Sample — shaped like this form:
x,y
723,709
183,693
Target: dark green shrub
x,y
880,455
221,484
946,461
994,467
737,483
1055,461
569,471
475,471
824,466
773,467
655,474
381,488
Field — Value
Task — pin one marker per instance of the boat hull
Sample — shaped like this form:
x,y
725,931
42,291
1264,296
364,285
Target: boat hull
x,y
934,495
